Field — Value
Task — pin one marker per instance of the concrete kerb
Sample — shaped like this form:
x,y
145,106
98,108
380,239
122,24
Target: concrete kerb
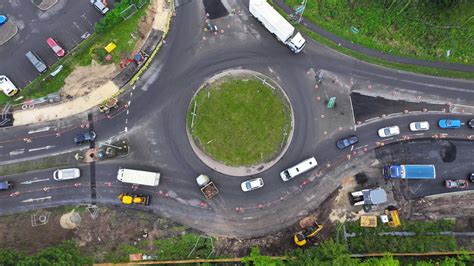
x,y
242,170
148,61
8,26
122,89
45,4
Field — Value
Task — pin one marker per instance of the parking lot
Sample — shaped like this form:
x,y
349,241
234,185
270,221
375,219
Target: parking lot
x,y
69,22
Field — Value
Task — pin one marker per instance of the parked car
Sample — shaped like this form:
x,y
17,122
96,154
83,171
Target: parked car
x,y
6,185
389,131
7,86
456,183
471,177
66,174
419,126
449,123
471,123
347,142
57,49
85,137
36,61
3,19
252,184
103,9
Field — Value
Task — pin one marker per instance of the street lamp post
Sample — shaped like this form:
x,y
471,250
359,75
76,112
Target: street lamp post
x,y
300,9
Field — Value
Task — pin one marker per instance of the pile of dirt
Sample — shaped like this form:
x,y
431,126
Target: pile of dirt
x,y
85,79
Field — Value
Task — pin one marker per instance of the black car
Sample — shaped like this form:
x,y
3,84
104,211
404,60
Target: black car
x,y
471,123
344,143
85,137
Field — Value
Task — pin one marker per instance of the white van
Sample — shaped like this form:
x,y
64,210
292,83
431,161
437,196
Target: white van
x,y
298,169
66,174
139,177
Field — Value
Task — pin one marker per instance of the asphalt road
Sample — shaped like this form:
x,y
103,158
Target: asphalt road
x,y
155,125
66,22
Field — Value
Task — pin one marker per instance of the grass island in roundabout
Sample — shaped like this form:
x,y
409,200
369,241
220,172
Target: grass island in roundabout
x,y
240,122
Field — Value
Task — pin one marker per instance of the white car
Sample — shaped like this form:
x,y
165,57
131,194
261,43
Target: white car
x,y
252,184
419,126
7,86
389,131
66,174
99,5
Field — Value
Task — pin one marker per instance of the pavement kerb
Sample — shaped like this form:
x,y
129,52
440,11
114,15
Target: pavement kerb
x,y
30,113
147,63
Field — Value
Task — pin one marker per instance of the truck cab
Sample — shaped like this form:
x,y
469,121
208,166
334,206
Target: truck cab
x,y
6,185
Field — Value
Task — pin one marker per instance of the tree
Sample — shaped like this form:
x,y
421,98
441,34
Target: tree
x,y
9,257
66,253
327,253
259,260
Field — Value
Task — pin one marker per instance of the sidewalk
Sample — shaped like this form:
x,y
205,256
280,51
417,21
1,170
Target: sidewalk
x,y
97,95
367,51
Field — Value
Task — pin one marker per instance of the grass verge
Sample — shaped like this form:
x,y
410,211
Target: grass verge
x,y
406,28
426,238
377,61
240,122
83,54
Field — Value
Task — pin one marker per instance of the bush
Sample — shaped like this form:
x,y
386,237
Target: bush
x,y
113,17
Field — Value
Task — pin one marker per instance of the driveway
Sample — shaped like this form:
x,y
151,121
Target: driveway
x,y
66,21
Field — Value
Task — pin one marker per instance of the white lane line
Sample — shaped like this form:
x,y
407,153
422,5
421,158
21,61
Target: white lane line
x,y
31,200
85,18
128,111
43,129
126,129
29,182
41,148
17,152
77,26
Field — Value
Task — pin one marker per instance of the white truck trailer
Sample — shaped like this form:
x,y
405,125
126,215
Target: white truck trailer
x,y
277,25
139,177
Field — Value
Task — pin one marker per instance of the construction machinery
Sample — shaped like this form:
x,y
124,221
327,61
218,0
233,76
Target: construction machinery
x,y
130,198
391,217
108,105
310,228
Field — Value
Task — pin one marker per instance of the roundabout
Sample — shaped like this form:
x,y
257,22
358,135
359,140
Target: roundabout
x,y
239,122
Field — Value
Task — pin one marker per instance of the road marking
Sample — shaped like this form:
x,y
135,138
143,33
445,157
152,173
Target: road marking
x,y
77,26
126,129
248,218
31,200
29,182
85,18
41,148
17,152
43,129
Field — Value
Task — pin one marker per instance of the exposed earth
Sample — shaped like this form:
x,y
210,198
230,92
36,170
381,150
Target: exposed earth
x,y
115,226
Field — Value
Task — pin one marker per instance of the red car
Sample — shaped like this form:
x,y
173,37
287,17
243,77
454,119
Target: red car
x,y
456,183
58,50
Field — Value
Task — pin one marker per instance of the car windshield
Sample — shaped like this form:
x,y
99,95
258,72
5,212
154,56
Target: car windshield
x,y
247,185
387,131
448,123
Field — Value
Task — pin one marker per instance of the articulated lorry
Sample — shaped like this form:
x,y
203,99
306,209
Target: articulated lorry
x,y
409,171
277,25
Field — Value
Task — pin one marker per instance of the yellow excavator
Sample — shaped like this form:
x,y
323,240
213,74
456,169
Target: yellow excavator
x,y
310,228
130,198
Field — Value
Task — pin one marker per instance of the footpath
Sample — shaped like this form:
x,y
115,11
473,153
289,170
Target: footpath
x,y
367,51
161,11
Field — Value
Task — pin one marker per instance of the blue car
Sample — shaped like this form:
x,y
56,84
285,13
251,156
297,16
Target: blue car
x,y
3,19
449,123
